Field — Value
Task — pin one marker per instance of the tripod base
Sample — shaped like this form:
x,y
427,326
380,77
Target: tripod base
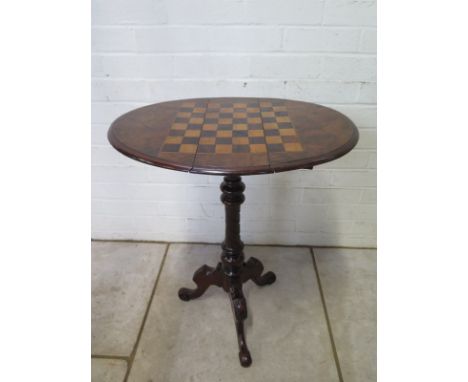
x,y
206,276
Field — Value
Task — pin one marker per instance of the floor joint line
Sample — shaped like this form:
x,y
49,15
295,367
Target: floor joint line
x,y
327,318
150,301
104,356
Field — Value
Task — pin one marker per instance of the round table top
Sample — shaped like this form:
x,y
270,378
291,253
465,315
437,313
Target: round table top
x,y
240,136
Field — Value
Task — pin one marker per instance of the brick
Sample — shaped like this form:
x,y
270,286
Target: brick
x,y
351,212
245,39
321,40
365,227
369,41
211,66
349,69
181,209
111,174
286,67
107,156
367,139
130,208
362,116
361,178
316,178
107,112
368,92
113,40
165,176
205,12
307,12
372,160
132,66
120,90
172,39
108,12
105,223
331,196
322,91
206,39
99,134
355,159
369,196
268,225
350,12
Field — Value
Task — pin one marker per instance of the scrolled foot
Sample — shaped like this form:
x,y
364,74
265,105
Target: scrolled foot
x,y
204,277
253,271
185,294
266,279
245,358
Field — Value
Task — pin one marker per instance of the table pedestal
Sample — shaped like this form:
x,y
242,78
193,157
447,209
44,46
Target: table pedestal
x,y
232,271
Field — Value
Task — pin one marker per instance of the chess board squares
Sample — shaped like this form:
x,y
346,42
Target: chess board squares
x,y
255,133
239,114
196,120
240,127
224,133
287,132
185,148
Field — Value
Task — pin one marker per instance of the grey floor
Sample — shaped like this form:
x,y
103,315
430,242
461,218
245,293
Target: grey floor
x,y
317,322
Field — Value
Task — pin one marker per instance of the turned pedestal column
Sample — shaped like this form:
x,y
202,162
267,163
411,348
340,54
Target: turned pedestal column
x,y
232,271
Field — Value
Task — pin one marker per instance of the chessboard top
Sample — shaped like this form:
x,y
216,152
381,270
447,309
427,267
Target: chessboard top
x,y
242,136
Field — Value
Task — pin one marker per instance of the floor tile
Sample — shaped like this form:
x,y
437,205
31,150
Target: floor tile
x,y
195,341
123,276
108,370
348,278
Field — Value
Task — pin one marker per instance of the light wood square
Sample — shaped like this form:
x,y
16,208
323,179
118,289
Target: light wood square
x,y
192,133
292,147
174,140
254,120
270,126
210,126
255,133
188,149
224,133
225,121
240,126
223,149
240,140
196,120
274,139
240,115
179,126
258,148
207,141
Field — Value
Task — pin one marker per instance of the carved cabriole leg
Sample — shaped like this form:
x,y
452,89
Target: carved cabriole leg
x,y
232,271
204,277
253,269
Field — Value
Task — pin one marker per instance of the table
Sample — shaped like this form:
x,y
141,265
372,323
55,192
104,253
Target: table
x,y
233,137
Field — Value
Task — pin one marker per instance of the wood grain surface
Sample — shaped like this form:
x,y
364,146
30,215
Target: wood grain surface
x,y
239,136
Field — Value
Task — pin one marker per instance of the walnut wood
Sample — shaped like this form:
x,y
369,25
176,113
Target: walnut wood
x,y
322,134
232,271
233,137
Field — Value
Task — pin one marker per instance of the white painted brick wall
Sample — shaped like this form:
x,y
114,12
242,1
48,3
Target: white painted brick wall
x,y
147,51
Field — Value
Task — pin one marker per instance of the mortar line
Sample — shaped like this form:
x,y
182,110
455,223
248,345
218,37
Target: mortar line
x,y
104,356
145,316
327,318
217,243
